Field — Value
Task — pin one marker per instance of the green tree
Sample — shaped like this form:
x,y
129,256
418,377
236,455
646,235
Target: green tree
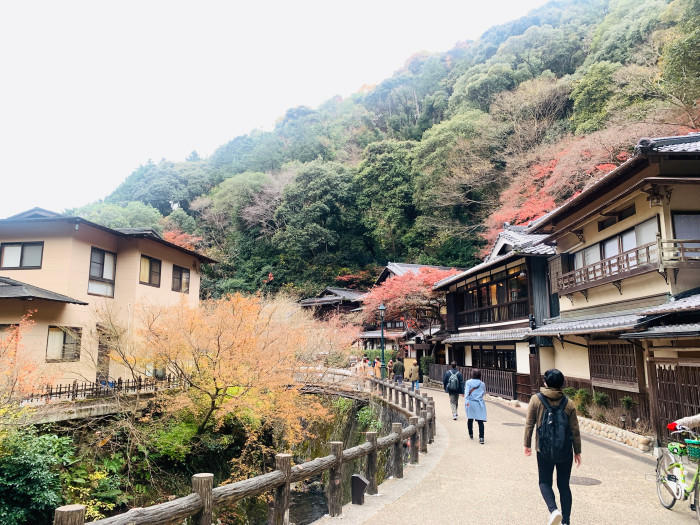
x,y
130,215
590,96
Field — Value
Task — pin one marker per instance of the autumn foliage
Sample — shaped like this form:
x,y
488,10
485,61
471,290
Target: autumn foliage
x,y
243,355
409,297
185,240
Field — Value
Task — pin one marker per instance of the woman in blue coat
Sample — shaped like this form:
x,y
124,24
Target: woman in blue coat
x,y
474,391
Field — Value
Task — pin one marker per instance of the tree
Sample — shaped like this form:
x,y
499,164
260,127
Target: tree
x,y
411,298
590,95
18,375
241,354
130,215
183,239
385,181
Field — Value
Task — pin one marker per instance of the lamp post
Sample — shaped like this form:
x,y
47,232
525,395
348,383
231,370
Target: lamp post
x,y
381,309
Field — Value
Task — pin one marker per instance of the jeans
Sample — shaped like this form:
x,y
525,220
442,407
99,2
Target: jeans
x,y
470,427
454,403
545,469
415,385
398,379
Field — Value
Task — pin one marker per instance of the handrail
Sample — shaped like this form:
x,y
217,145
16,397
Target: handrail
x,y
204,498
638,258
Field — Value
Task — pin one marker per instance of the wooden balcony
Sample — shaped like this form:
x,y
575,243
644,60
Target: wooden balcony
x,y
509,311
659,255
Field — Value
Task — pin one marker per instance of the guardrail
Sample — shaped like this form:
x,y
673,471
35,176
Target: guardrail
x,y
419,409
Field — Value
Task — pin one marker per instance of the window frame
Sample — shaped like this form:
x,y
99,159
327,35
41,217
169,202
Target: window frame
x,y
65,329
181,269
101,279
151,260
22,244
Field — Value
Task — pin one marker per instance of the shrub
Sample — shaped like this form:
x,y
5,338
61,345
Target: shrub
x,y
30,486
569,391
601,399
425,363
367,418
627,402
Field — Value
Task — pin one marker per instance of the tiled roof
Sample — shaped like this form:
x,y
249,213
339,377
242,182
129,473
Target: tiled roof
x,y
11,289
402,268
583,326
347,293
336,295
376,334
517,334
679,144
675,330
686,304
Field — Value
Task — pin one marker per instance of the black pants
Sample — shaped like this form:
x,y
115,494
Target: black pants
x,y
470,427
546,471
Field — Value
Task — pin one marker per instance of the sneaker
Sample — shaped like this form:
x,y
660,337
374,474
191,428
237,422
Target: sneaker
x,y
555,517
471,436
454,417
481,440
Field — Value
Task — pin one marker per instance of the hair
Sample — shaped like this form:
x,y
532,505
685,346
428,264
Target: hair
x,y
553,378
454,364
476,374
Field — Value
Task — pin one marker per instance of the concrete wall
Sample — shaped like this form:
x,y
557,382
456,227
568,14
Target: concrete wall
x,y
572,360
522,357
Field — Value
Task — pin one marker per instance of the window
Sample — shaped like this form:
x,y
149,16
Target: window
x,y
616,217
181,279
102,268
489,356
63,344
686,226
502,296
150,271
21,255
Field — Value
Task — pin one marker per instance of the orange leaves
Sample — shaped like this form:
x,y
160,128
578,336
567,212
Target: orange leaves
x,y
242,354
182,239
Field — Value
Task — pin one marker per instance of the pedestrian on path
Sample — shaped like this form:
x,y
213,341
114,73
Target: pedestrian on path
x,y
558,443
398,371
453,383
414,376
474,391
377,368
390,370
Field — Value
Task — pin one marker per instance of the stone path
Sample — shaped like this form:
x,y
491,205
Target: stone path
x,y
460,481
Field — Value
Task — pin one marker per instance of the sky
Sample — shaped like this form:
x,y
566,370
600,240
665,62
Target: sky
x,y
90,90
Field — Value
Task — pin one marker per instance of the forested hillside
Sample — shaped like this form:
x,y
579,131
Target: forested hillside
x,y
426,166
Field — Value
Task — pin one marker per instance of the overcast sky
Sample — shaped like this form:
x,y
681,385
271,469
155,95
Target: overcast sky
x,y
90,90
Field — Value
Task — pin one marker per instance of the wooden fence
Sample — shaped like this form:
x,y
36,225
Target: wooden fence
x,y
89,390
498,382
419,409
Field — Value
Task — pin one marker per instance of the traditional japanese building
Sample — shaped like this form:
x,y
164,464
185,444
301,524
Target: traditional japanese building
x,y
333,301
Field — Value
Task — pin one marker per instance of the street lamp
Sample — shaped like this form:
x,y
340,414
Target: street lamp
x,y
381,309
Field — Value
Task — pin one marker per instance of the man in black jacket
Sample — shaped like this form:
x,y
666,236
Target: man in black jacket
x,y
453,382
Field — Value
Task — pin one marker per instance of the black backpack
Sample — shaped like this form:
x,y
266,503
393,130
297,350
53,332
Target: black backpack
x,y
554,433
453,382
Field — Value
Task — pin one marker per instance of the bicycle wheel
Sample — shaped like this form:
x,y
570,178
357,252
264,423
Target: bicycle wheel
x,y
666,493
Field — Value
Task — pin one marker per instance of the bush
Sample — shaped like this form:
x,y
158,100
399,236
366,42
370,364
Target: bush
x,y
388,354
367,418
601,399
425,363
569,391
627,403
582,399
30,485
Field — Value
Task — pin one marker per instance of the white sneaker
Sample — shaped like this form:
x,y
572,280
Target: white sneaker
x,y
555,517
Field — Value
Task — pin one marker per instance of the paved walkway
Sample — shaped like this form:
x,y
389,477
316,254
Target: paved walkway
x,y
460,481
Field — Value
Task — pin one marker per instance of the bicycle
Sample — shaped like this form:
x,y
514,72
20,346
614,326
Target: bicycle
x,y
671,479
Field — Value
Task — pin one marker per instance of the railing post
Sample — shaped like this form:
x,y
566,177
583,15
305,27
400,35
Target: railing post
x,y
431,425
398,453
75,389
417,403
413,420
410,402
69,515
403,398
203,484
424,432
371,467
335,481
280,516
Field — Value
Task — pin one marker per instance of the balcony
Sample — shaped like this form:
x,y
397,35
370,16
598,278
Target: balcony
x,y
659,255
510,311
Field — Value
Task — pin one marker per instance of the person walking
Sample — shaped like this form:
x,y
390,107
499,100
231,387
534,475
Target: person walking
x,y
453,383
390,370
475,406
558,443
414,376
398,371
377,368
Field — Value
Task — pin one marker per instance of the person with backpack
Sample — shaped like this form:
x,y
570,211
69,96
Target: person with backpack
x,y
453,383
398,371
474,391
558,443
414,376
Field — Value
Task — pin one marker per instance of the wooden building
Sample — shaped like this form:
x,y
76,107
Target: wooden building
x,y
332,301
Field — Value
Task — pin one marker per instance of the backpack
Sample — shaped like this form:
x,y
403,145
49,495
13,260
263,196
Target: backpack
x,y
453,382
554,433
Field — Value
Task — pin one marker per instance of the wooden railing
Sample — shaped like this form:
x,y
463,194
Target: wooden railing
x,y
677,252
205,498
89,390
508,311
500,383
638,260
